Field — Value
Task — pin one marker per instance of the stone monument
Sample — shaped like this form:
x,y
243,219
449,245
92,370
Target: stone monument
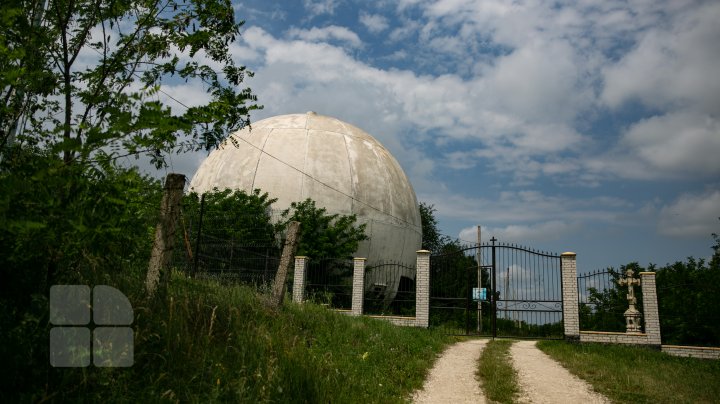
x,y
632,315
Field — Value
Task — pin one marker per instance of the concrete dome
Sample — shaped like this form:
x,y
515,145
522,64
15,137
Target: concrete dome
x,y
339,166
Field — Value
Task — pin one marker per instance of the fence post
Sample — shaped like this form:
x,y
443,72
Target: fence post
x,y
358,286
650,308
571,317
422,289
291,243
165,233
299,277
199,235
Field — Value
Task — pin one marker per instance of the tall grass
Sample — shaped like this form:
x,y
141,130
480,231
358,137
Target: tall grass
x,y
204,342
499,379
639,375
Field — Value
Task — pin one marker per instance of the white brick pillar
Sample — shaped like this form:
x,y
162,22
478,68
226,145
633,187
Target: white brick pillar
x,y
568,265
422,289
650,308
299,279
358,286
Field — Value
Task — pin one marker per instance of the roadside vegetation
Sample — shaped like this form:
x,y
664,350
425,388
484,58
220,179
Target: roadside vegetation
x,y
205,342
498,378
638,375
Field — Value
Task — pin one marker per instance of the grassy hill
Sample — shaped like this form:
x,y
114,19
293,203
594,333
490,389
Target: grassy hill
x,y
205,342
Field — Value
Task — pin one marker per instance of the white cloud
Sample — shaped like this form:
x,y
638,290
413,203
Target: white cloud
x,y
406,30
680,143
542,81
673,65
190,94
325,34
319,7
543,231
375,23
677,145
558,64
691,215
524,207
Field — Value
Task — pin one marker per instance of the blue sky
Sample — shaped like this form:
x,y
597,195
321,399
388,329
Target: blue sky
x,y
590,126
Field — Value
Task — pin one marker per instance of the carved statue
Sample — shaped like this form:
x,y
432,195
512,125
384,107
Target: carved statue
x,y
632,315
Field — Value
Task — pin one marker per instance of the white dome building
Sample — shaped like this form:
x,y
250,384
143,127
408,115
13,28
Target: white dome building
x,y
339,166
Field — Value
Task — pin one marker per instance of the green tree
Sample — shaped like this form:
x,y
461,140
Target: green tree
x,y
237,231
49,237
323,235
688,301
81,83
102,235
432,239
88,75
245,217
25,75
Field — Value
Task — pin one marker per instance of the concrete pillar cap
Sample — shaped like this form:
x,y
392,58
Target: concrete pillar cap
x,y
568,254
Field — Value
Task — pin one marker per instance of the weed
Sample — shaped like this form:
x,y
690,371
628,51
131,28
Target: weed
x,y
499,379
206,342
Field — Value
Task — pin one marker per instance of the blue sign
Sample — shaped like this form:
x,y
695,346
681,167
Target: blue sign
x,y
479,294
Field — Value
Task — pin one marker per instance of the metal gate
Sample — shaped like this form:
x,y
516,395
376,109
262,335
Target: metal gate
x,y
523,291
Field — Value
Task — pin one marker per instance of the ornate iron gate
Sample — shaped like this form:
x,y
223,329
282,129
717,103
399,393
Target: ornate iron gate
x,y
523,291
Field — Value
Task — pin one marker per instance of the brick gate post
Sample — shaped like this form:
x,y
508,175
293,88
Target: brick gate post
x,y
358,286
568,264
650,308
299,279
422,289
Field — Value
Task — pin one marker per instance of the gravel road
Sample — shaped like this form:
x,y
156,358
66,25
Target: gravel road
x,y
543,380
452,379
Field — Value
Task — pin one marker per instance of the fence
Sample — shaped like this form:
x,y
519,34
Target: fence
x,y
601,307
601,303
529,288
405,288
390,289
246,248
233,248
329,281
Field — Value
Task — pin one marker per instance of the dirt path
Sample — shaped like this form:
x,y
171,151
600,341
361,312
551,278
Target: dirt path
x,y
452,379
543,380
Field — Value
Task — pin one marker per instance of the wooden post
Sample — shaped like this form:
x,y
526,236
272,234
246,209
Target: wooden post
x,y
291,242
165,232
